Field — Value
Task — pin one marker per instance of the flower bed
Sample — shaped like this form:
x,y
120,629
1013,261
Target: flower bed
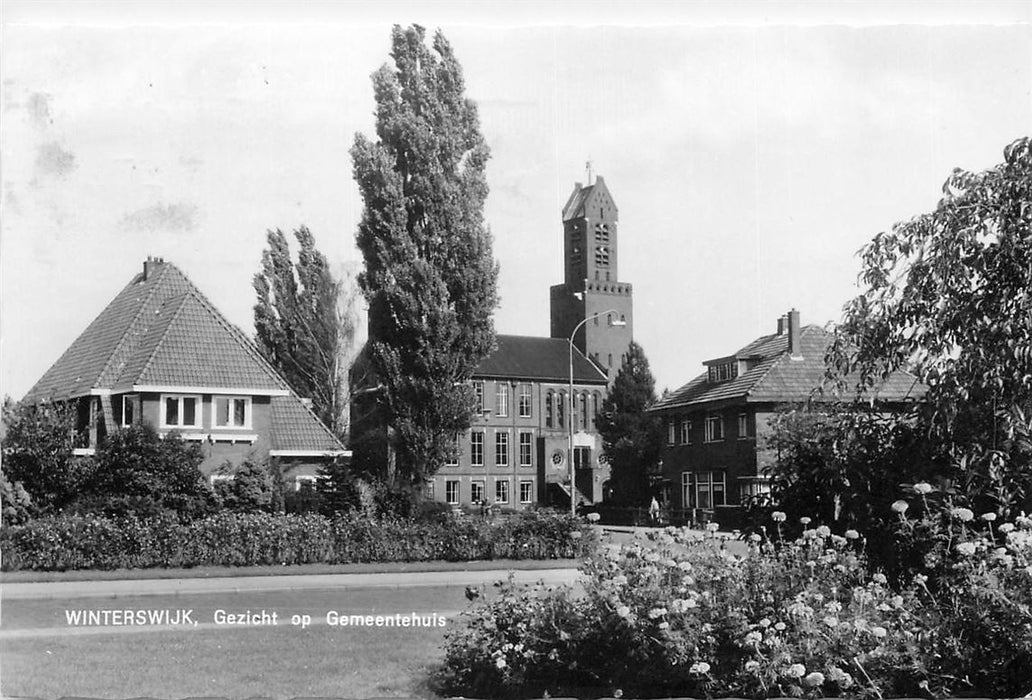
x,y
676,617
239,539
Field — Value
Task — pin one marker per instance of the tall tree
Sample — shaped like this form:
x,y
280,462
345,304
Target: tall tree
x,y
305,323
429,272
631,438
948,296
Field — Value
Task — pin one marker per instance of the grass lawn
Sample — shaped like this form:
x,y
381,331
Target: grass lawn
x,y
44,657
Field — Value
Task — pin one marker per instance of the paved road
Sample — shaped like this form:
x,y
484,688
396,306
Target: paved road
x,y
109,589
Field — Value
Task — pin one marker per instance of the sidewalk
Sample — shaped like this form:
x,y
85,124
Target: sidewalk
x,y
175,586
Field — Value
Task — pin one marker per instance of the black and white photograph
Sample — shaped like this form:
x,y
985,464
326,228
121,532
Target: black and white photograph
x,y
498,350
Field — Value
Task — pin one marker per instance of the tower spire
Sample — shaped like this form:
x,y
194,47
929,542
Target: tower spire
x,y
587,166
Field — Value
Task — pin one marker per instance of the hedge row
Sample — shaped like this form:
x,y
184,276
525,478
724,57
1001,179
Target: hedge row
x,y
253,539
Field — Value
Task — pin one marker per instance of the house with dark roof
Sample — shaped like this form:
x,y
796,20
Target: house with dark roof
x,y
161,353
717,424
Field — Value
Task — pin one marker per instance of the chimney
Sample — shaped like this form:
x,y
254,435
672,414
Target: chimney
x,y
795,351
781,324
150,266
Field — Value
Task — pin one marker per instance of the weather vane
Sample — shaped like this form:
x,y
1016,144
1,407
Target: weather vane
x,y
587,166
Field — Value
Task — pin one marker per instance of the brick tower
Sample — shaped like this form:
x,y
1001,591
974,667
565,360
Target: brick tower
x,y
591,283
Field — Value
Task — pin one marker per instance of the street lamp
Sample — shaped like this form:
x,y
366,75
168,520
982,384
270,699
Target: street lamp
x,y
570,415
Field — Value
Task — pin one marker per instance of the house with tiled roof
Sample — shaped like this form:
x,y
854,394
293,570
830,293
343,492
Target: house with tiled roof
x,y
161,353
717,424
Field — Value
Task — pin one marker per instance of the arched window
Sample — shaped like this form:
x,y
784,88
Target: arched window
x,y
597,406
584,410
560,409
550,410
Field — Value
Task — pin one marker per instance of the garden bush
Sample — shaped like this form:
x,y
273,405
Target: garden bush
x,y
250,539
801,618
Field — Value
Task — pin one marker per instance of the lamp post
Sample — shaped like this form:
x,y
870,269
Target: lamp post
x,y
570,414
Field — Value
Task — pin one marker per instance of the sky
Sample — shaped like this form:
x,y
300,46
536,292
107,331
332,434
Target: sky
x,y
751,149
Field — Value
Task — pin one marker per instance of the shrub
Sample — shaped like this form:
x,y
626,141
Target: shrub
x,y
252,539
806,618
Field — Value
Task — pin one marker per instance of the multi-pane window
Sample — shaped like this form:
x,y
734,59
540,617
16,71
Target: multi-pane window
x,y
686,431
128,410
703,489
451,491
550,410
502,491
525,398
560,408
232,411
743,426
671,434
584,401
502,449
476,492
526,492
722,372
714,428
476,448
478,391
526,449
180,411
502,399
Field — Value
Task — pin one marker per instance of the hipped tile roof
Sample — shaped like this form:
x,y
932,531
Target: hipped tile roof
x,y
775,377
160,330
540,359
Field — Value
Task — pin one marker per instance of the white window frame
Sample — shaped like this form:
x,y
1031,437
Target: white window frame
x,y
526,400
502,491
198,411
529,485
692,483
129,400
452,491
711,433
452,460
502,448
686,431
527,439
248,414
473,487
478,392
502,399
473,445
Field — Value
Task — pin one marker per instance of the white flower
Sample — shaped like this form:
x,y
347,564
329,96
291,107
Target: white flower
x,y
712,527
900,507
1006,527
657,612
500,662
752,665
664,625
778,517
779,626
880,578
824,531
805,521
754,537
922,487
964,515
594,517
988,517
831,621
575,535
765,622
852,535
879,632
699,667
753,638
623,611
966,548
795,671
814,679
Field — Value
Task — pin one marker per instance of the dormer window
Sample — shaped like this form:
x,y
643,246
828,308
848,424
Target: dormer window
x,y
722,372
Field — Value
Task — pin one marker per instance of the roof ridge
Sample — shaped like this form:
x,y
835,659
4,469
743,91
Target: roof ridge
x,y
168,327
132,322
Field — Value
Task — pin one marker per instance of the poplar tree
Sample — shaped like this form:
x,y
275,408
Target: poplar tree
x,y
305,323
430,277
